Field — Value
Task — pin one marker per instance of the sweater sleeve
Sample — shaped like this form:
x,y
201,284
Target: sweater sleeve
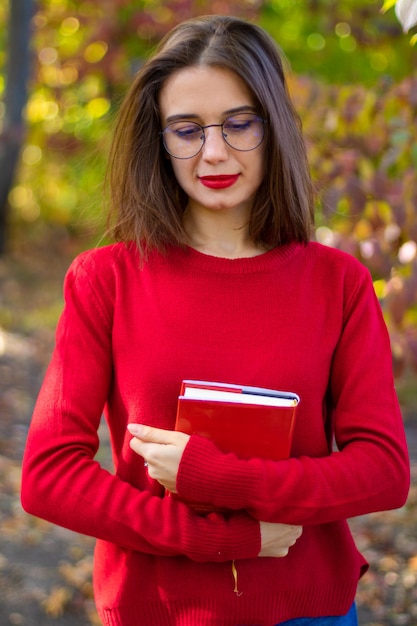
x,y
61,480
370,469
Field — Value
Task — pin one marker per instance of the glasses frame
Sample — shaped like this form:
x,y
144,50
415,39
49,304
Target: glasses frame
x,y
224,135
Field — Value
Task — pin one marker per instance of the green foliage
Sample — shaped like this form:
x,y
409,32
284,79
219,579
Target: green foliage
x,y
85,53
362,150
340,41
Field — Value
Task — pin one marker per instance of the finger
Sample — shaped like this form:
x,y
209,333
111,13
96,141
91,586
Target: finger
x,y
137,446
150,433
152,452
298,531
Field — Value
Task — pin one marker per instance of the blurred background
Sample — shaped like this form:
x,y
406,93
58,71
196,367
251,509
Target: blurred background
x,y
64,68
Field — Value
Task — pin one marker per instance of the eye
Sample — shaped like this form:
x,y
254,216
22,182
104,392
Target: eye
x,y
185,131
237,124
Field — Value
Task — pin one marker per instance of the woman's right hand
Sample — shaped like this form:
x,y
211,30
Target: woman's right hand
x,y
277,539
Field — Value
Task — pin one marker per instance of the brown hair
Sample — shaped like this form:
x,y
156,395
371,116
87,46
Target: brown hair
x,y
146,202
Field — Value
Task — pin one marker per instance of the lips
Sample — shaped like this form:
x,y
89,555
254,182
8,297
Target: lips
x,y
220,181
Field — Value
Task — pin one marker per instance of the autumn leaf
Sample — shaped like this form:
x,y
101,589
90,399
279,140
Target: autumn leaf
x,y
412,563
54,605
388,4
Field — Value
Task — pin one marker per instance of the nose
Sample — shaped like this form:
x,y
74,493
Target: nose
x,y
214,148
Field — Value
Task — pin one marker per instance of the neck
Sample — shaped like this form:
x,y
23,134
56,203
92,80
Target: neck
x,y
220,234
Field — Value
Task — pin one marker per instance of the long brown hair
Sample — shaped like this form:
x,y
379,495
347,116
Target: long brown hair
x,y
146,202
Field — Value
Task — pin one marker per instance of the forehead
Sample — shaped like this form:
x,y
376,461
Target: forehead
x,y
203,92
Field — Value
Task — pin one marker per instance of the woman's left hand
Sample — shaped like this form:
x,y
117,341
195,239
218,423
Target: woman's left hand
x,y
162,451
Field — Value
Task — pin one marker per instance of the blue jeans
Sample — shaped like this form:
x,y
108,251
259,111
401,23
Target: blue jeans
x,y
350,619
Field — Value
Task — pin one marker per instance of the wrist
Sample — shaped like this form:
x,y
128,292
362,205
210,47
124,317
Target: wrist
x,y
207,475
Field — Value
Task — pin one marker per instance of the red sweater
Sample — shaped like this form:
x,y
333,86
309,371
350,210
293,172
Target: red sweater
x,y
298,318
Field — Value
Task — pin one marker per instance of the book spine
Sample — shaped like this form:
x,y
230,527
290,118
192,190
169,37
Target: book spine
x,y
260,391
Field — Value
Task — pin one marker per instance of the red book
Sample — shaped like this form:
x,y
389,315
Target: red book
x,y
249,421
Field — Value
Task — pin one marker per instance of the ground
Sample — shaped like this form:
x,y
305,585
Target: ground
x,y
45,571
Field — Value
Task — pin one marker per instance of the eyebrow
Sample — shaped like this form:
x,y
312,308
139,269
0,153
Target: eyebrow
x,y
193,116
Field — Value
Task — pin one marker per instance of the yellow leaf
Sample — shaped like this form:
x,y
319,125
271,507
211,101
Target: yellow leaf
x,y
95,51
363,229
98,107
412,563
54,605
380,287
388,4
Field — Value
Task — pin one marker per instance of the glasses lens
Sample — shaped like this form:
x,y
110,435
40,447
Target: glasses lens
x,y
183,140
244,131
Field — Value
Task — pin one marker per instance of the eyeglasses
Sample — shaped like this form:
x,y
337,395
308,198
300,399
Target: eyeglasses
x,y
184,139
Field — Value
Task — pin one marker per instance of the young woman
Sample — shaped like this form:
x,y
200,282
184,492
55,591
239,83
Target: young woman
x,y
215,278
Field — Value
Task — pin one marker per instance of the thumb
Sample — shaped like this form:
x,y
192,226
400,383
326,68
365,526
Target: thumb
x,y
149,433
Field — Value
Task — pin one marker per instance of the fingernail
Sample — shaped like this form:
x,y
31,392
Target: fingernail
x,y
134,429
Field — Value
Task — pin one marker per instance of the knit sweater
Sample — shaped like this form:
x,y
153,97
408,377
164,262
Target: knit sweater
x,y
300,318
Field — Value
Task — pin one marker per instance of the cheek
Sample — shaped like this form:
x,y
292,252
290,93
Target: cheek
x,y
182,172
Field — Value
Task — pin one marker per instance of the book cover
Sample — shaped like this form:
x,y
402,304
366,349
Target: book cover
x,y
249,421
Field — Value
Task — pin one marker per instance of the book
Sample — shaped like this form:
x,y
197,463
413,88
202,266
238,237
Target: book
x,y
252,422
248,421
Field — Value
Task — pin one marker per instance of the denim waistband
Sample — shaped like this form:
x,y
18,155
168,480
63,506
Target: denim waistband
x,y
349,619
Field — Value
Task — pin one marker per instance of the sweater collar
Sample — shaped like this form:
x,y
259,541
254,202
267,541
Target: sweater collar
x,y
268,261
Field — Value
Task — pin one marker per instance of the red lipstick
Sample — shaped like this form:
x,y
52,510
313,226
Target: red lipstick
x,y
220,181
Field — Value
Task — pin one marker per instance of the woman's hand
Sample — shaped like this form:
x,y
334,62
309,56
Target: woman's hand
x,y
162,451
277,539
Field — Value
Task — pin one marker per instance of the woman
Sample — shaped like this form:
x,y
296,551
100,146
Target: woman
x,y
215,278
